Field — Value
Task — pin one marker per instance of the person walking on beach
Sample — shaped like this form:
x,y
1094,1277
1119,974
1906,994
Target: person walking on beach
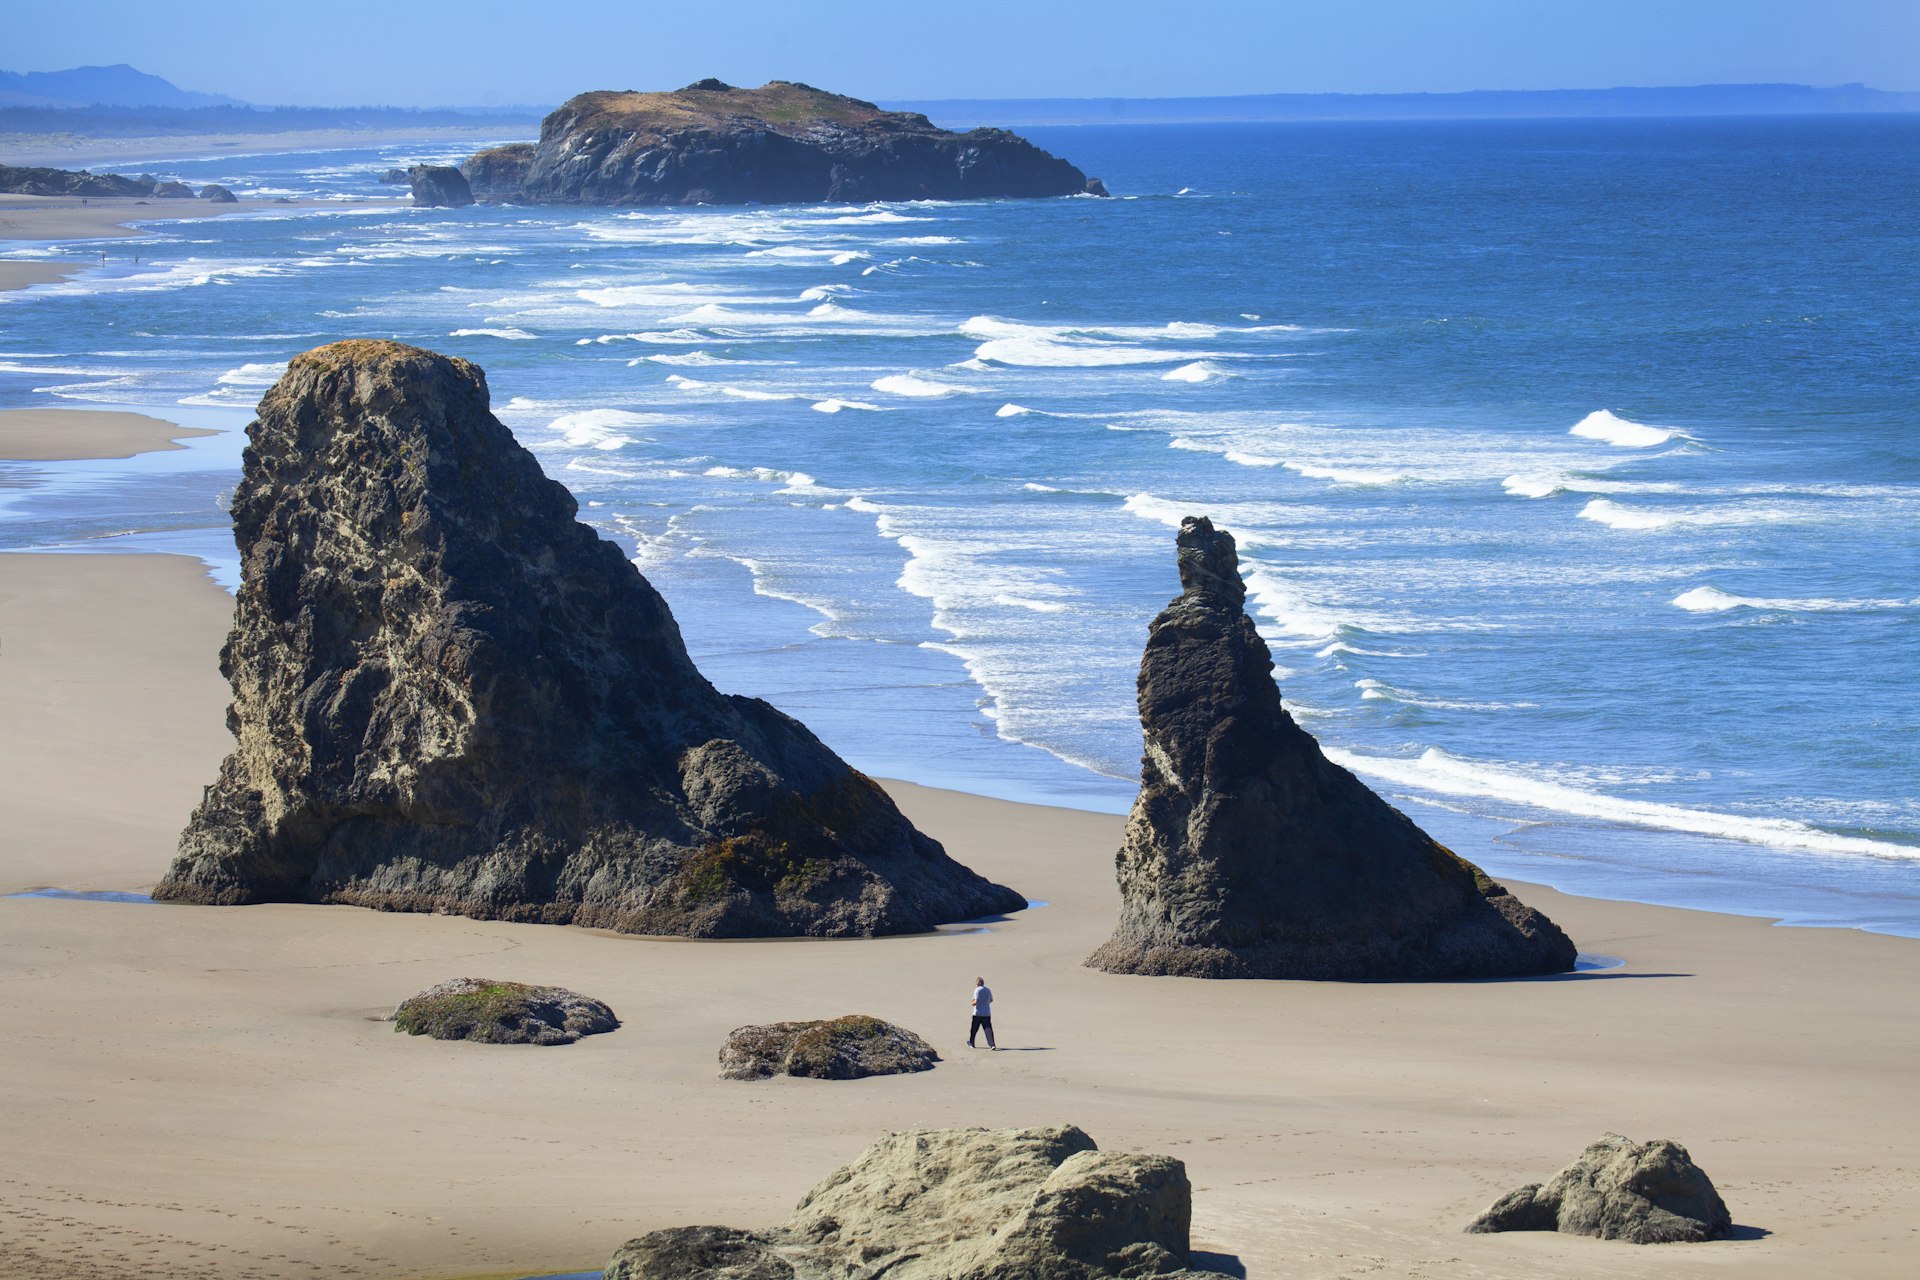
x,y
982,1015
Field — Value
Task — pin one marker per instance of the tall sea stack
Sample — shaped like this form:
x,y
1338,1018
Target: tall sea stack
x,y
1249,854
449,695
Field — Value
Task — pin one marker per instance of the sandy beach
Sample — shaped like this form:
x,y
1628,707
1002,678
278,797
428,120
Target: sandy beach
x,y
69,151
57,435
99,218
203,1091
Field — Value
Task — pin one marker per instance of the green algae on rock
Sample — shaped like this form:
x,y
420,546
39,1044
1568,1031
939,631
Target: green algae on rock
x,y
847,1048
502,1013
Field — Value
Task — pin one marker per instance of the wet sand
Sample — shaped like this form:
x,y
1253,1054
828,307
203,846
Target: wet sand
x,y
69,151
190,1091
62,435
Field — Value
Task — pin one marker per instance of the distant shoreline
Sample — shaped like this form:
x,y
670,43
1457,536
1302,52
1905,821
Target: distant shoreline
x,y
67,151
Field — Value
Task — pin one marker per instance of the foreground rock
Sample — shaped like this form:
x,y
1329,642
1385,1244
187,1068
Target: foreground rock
x,y
498,173
438,186
1249,854
711,143
848,1048
953,1204
1643,1193
502,1013
449,695
214,193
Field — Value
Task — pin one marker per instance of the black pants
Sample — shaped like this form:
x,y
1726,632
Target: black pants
x,y
980,1024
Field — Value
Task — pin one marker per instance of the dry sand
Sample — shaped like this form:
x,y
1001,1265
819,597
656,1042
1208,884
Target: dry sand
x,y
189,1091
58,435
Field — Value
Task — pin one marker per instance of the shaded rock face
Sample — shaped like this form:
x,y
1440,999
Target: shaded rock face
x,y
172,191
214,193
498,173
1249,854
394,177
502,1013
1640,1192
16,180
449,695
438,186
711,143
954,1204
848,1048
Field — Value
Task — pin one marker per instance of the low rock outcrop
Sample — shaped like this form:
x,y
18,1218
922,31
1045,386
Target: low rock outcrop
x,y
953,1204
1618,1189
712,143
172,191
1249,854
848,1048
502,1013
498,173
449,695
18,180
214,193
439,186
394,177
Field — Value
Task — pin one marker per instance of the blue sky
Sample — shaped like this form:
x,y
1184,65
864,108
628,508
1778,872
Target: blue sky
x,y
433,52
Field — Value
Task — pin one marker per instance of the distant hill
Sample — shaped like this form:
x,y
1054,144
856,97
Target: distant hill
x,y
1489,104
117,86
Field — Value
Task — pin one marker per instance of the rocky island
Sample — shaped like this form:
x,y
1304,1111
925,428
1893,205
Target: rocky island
x,y
712,143
1249,854
449,695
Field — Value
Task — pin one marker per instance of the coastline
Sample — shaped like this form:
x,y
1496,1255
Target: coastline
x,y
70,435
199,1090
70,150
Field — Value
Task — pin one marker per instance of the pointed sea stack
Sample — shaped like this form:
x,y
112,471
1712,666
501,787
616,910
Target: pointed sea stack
x,y
1250,855
451,696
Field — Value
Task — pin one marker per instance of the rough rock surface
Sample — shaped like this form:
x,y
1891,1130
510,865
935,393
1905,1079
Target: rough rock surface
x,y
438,186
214,193
502,1013
953,1204
449,695
712,143
498,173
16,180
1640,1192
848,1048
394,177
172,191
1249,854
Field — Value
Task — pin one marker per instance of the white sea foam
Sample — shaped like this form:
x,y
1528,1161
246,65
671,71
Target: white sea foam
x,y
1606,427
510,334
907,384
1714,600
825,292
924,240
1342,475
257,376
789,481
835,406
739,393
1640,519
1435,770
597,428
1199,371
1031,487
684,358
1372,690
1008,342
1011,411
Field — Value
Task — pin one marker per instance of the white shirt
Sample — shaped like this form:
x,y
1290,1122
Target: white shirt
x,y
982,1002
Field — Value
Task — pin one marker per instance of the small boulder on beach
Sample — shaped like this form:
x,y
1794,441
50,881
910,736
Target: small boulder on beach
x,y
214,193
954,1204
1618,1189
502,1013
848,1048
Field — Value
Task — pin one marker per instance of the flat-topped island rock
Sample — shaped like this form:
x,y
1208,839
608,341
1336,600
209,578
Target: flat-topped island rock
x,y
713,143
449,695
1249,854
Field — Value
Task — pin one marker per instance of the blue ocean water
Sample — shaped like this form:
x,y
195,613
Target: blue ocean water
x,y
1574,464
